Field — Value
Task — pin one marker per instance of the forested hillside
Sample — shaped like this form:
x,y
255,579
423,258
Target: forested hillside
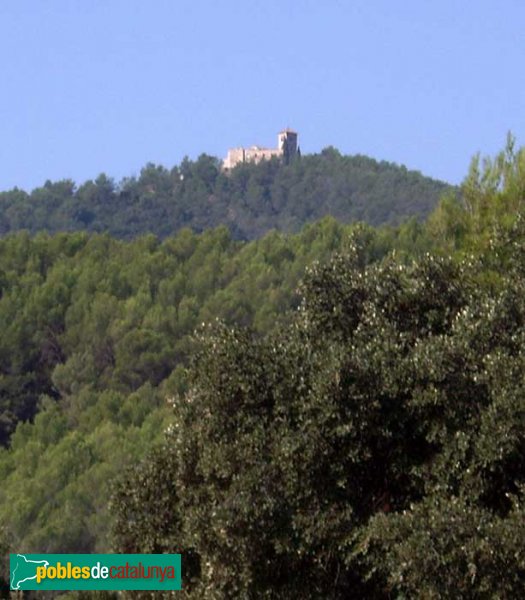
x,y
250,201
327,406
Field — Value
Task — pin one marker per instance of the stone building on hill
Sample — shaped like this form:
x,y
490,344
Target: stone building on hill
x,y
286,149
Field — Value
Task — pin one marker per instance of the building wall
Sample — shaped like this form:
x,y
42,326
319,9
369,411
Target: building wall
x,y
256,154
235,156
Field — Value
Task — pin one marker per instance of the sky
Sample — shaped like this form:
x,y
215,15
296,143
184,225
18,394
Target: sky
x,y
109,85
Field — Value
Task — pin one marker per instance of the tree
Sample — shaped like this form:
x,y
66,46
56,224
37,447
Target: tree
x,y
251,200
319,454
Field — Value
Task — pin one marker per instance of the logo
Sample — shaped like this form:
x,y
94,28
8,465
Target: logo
x,y
95,572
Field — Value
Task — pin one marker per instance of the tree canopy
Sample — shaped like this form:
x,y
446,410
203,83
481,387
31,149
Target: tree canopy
x,y
373,447
346,421
250,200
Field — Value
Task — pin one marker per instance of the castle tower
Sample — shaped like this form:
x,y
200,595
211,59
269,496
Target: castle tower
x,y
287,144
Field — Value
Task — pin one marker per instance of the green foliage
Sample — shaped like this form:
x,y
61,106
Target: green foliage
x,y
329,457
448,548
101,332
328,433
492,196
251,200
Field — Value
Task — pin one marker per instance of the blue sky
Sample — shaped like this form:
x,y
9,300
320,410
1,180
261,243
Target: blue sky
x,y
108,85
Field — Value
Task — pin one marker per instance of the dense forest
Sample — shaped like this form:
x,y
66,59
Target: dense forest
x,y
341,410
251,200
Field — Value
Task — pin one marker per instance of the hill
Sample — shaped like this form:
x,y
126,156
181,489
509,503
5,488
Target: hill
x,y
394,371
250,201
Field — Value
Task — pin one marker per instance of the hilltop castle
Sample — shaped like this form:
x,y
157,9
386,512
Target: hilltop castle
x,y
286,148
